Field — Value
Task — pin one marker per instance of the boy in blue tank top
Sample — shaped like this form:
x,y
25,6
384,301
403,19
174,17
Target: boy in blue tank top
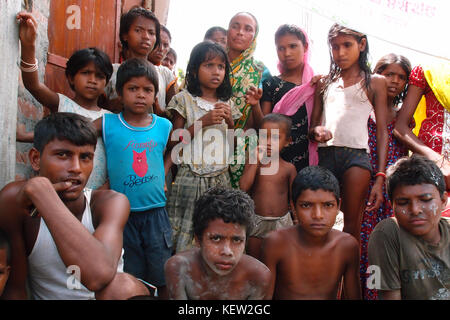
x,y
135,141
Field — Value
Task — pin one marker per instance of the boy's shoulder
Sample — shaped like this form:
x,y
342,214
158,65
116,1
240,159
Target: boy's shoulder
x,y
161,121
343,239
254,268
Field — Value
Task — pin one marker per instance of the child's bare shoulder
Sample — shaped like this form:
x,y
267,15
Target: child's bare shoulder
x,y
255,269
343,240
181,261
281,237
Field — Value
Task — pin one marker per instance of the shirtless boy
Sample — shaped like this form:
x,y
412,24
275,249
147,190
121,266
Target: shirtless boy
x,y
308,261
67,240
270,192
219,269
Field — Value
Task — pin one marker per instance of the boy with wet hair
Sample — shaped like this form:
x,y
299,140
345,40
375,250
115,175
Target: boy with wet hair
x,y
275,211
218,269
5,260
308,261
410,252
66,240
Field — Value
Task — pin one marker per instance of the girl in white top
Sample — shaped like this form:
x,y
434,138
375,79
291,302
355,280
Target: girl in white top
x,y
87,71
343,102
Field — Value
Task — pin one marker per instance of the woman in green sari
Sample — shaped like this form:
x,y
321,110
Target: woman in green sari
x,y
246,76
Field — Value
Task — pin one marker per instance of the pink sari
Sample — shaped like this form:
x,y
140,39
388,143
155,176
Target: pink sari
x,y
296,97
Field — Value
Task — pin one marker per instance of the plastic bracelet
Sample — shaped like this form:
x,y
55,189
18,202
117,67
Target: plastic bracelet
x,y
33,212
29,64
382,174
31,68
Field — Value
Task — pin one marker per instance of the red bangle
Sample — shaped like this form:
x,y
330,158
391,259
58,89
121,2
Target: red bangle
x,y
381,174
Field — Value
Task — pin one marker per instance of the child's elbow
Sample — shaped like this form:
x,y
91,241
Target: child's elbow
x,y
101,279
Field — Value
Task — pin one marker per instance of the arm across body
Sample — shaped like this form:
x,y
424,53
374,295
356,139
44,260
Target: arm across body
x,y
96,254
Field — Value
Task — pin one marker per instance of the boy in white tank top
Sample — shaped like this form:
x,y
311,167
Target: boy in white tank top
x,y
52,217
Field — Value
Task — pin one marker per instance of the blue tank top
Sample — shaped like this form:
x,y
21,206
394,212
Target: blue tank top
x,y
135,159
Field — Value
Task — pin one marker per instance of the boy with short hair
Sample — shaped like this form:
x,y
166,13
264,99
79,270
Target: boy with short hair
x,y
308,261
410,252
66,240
219,269
135,142
270,191
5,259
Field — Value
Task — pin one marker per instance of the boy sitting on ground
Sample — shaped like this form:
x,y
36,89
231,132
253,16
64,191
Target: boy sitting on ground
x,y
219,269
308,261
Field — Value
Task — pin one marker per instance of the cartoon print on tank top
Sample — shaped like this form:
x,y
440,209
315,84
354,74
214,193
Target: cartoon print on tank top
x,y
140,165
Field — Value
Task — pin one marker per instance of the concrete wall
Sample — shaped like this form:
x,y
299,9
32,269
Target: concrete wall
x,y
9,73
30,111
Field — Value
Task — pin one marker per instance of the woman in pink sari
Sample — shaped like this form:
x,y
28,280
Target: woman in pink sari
x,y
292,94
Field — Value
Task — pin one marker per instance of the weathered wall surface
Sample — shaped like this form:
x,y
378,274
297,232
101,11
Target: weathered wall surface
x,y
29,111
9,73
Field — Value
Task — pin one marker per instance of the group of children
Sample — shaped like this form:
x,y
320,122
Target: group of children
x,y
160,167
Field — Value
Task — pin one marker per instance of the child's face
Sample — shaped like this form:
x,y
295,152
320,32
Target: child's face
x,y
4,270
89,82
290,51
141,37
169,61
222,245
61,160
219,38
211,73
138,95
275,132
418,208
346,50
396,79
241,32
161,51
316,211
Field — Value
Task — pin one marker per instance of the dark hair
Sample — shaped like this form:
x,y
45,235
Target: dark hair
x,y
5,243
79,59
127,19
291,29
210,32
403,62
251,15
164,28
133,68
414,170
172,52
363,62
68,126
315,178
230,205
205,51
279,118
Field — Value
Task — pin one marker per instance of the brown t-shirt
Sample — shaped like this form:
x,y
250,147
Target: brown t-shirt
x,y
419,269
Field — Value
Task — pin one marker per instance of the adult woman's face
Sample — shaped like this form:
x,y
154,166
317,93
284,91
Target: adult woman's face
x,y
241,32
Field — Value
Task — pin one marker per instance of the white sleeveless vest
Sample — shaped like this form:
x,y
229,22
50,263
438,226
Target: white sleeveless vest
x,y
48,277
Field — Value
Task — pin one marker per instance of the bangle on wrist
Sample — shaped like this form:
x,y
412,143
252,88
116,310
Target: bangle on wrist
x,y
380,174
28,67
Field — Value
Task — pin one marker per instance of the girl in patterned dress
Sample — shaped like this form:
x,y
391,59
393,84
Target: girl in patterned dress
x,y
205,112
396,70
428,101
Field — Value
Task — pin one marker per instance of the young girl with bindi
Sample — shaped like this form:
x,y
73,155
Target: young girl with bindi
x,y
396,69
344,99
203,110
